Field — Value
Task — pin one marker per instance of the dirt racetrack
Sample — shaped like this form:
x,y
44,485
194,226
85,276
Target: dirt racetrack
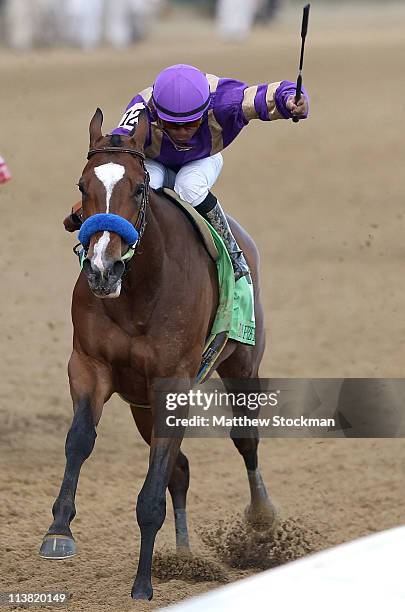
x,y
325,203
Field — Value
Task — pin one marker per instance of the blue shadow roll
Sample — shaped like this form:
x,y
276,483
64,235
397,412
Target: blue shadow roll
x,y
110,223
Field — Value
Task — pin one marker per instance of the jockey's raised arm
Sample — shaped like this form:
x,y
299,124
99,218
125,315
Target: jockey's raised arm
x,y
269,102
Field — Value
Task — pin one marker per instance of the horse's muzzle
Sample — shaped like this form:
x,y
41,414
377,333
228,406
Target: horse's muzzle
x,y
106,283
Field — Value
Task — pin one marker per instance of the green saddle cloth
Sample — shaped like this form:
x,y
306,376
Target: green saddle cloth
x,y
235,314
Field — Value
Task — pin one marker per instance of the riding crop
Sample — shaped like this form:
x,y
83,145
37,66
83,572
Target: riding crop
x,y
304,30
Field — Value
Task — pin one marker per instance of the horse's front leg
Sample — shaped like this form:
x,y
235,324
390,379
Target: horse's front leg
x,y
90,388
178,483
151,504
178,487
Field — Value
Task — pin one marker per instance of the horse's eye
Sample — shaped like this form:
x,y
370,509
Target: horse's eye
x,y
81,188
139,190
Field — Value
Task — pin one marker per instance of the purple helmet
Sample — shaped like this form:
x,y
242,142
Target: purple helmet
x,y
181,93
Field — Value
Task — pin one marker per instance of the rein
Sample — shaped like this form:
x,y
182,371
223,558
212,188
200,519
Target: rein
x,y
140,223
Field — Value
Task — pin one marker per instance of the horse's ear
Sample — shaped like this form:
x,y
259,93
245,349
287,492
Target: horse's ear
x,y
95,127
140,133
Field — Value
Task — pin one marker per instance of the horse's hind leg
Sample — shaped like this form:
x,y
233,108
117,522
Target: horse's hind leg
x,y
178,483
261,512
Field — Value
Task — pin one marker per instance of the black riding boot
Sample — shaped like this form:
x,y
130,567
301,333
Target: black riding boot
x,y
211,210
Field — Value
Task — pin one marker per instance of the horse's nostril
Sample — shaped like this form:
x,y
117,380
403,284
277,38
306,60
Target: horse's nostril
x,y
87,266
118,269
92,274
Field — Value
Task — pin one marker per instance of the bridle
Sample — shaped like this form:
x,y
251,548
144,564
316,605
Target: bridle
x,y
140,223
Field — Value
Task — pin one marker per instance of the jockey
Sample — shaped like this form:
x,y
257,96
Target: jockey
x,y
194,116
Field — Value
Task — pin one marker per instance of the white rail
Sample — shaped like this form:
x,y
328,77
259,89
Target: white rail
x,y
364,575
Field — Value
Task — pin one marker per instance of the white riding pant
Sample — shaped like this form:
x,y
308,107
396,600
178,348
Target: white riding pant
x,y
193,180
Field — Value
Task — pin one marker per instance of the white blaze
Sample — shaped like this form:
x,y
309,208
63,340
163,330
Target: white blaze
x,y
99,250
109,174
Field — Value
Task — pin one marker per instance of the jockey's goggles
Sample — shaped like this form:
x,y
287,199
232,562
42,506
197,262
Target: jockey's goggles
x,y
187,124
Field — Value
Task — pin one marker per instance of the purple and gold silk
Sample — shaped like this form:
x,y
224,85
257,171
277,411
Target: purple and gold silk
x,y
232,105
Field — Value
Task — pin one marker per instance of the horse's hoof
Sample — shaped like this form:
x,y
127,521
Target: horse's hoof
x,y
142,589
57,547
263,517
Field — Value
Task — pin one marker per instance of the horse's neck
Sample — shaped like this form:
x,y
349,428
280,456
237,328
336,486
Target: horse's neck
x,y
155,280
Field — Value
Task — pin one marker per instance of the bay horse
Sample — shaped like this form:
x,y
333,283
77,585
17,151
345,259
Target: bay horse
x,y
156,328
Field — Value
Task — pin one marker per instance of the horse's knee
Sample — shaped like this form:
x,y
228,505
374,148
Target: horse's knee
x,y
180,478
182,463
245,445
151,510
82,433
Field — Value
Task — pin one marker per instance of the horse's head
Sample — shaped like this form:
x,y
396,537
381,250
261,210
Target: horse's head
x,y
114,187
